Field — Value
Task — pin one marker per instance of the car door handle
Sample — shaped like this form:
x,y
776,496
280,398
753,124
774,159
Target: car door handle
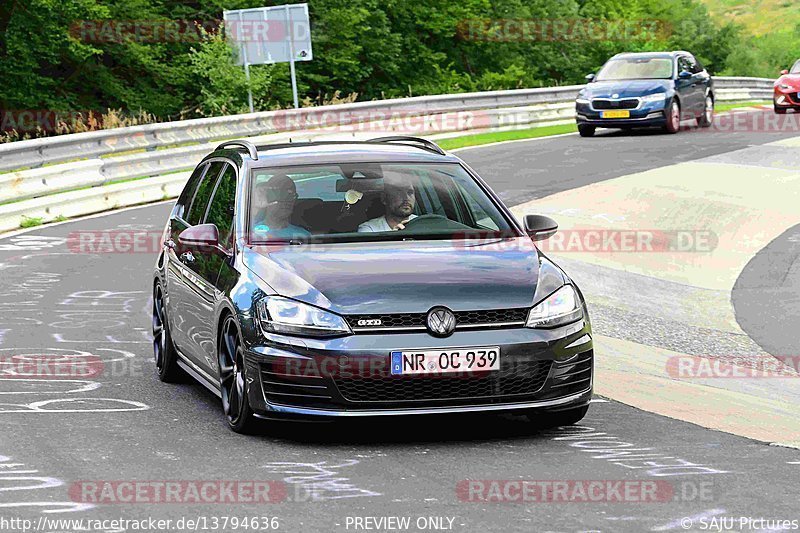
x,y
187,257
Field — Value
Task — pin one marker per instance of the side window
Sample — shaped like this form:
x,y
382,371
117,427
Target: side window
x,y
186,196
221,209
698,67
686,63
203,194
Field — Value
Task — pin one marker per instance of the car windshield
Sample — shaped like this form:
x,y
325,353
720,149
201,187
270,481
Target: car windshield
x,y
650,68
368,201
795,68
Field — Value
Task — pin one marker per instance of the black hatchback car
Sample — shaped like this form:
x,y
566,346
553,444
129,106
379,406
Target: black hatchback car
x,y
645,90
316,280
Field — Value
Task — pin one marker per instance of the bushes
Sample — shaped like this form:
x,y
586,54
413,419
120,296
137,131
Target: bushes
x,y
372,48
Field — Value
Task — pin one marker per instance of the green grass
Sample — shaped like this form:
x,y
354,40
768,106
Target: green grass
x,y
510,135
30,222
727,106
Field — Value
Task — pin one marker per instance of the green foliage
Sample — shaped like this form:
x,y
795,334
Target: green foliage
x,y
372,48
30,222
763,56
222,83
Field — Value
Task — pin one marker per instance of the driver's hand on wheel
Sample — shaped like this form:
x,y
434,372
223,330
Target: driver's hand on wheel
x,y
402,224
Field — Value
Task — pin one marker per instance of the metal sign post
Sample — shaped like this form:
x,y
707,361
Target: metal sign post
x,y
269,35
291,55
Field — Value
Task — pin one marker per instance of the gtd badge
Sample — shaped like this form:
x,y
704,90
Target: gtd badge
x,y
441,321
369,322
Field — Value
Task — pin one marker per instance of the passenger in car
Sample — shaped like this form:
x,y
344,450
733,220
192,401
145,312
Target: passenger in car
x,y
399,200
273,204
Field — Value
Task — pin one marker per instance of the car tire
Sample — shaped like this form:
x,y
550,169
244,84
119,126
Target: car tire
x,y
779,110
707,118
673,124
166,357
568,417
233,381
586,130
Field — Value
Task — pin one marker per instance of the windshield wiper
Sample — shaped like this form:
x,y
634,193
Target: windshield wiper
x,y
278,241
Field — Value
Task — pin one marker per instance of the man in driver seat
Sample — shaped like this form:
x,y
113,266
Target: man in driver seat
x,y
398,199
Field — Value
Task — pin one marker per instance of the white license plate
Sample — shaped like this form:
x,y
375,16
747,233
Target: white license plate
x,y
446,360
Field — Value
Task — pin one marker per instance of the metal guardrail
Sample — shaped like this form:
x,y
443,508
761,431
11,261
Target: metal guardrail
x,y
57,166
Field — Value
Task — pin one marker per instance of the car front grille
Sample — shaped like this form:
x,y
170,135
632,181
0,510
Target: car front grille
x,y
464,319
625,103
515,378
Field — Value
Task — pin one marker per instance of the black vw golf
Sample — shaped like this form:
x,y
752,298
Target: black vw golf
x,y
332,279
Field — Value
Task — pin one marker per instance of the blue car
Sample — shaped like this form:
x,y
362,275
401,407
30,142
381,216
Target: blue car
x,y
653,89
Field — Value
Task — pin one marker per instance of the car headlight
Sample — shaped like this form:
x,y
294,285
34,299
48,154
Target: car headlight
x,y
560,308
282,315
582,99
655,97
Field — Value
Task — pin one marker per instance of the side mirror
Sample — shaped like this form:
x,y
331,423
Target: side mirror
x,y
784,71
203,235
685,75
540,227
590,77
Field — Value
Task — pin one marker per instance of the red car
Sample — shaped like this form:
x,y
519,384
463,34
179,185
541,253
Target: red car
x,y
786,90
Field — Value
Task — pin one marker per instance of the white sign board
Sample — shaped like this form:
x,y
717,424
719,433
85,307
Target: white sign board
x,y
279,34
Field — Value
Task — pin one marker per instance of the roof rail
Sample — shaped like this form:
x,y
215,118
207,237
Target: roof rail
x,y
247,145
425,144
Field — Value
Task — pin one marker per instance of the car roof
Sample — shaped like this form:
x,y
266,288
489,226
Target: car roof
x,y
668,55
337,152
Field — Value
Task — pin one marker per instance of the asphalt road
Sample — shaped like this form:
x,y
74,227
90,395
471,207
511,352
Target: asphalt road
x,y
766,296
62,438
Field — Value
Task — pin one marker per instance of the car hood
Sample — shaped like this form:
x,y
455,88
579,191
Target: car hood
x,y
403,277
626,88
789,79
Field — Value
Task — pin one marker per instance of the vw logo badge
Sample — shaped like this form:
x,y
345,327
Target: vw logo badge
x,y
441,321
615,95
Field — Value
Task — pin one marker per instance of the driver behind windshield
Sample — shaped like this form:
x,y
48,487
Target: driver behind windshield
x,y
398,199
272,205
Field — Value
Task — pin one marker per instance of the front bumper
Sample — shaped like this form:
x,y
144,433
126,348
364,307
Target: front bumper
x,y
787,98
648,114
547,370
